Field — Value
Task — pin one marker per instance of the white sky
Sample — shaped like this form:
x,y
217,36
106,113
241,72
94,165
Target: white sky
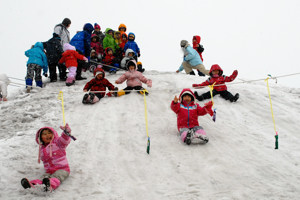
x,y
256,37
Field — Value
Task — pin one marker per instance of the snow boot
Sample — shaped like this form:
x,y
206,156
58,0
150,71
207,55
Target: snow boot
x,y
192,73
46,183
25,183
85,97
188,140
235,98
199,98
115,93
39,84
200,73
121,92
92,96
144,90
70,81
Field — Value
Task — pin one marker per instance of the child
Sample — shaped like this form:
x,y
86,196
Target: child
x,y
140,67
69,57
37,61
4,81
109,40
109,59
124,41
117,36
52,151
131,44
220,87
98,32
94,60
96,45
129,54
98,84
122,28
134,79
187,116
199,48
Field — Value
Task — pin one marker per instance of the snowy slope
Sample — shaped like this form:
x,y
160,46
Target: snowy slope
x,y
109,159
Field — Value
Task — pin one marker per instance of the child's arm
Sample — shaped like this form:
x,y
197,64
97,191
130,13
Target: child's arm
x,y
145,80
232,76
175,105
88,85
207,109
79,56
121,79
138,50
179,69
205,83
45,67
191,55
64,139
61,60
109,85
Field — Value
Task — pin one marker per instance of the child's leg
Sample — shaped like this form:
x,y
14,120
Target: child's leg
x,y
71,76
200,133
29,75
227,95
202,69
62,72
204,95
57,178
38,76
187,67
52,71
183,132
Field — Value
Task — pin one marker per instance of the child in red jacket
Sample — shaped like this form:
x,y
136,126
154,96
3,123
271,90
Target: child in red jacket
x,y
199,48
110,59
98,85
187,116
69,57
220,87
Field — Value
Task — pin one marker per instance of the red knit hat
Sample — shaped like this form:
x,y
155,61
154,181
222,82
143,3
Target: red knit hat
x,y
97,26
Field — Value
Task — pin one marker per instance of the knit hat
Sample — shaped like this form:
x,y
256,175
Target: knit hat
x,y
184,43
98,71
97,26
67,46
66,22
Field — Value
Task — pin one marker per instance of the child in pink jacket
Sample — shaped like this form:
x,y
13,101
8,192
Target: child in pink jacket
x,y
134,79
52,151
187,116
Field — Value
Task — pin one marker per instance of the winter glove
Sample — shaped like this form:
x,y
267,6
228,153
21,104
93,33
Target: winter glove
x,y
45,74
66,128
149,83
208,108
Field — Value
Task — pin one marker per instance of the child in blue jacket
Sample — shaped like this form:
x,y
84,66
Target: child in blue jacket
x,y
36,62
131,44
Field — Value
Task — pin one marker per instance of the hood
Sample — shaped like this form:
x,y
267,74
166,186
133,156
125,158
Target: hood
x,y
128,51
215,67
38,134
107,49
67,46
97,26
106,30
95,36
133,36
117,32
88,28
130,61
39,45
99,70
187,91
198,39
125,35
122,26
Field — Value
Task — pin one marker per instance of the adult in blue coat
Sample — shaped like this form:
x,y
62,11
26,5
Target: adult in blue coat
x,y
82,40
191,60
131,44
36,62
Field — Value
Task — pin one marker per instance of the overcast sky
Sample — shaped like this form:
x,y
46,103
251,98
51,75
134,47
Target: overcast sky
x,y
256,37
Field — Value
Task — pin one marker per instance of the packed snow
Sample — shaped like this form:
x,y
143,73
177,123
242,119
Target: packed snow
x,y
109,160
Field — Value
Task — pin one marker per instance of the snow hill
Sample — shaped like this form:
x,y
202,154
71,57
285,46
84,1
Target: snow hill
x,y
109,160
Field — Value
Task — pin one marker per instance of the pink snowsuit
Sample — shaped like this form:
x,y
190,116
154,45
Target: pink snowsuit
x,y
54,158
187,114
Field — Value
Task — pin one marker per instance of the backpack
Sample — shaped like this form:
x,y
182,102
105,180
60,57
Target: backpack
x,y
200,48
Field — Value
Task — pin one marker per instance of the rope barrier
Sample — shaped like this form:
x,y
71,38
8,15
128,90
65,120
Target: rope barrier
x,y
146,120
110,66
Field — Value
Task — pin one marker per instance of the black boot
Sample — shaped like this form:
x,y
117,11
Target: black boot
x,y
25,183
192,73
85,98
235,98
46,182
200,73
188,139
199,98
92,96
115,93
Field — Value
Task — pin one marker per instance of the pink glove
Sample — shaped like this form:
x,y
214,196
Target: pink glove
x,y
66,128
149,83
208,108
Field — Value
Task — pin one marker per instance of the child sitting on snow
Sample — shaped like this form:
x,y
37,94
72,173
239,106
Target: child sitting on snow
x,y
69,57
220,87
129,54
187,116
96,45
97,87
110,60
134,79
94,60
4,81
37,61
52,151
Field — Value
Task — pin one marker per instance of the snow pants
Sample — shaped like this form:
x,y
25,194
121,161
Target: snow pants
x,y
198,130
71,74
34,71
189,68
55,179
224,94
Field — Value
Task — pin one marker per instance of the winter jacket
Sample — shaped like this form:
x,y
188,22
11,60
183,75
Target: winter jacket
x,y
132,45
97,46
221,79
187,114
70,56
4,81
118,40
126,58
37,56
122,26
99,84
53,155
53,50
197,46
63,33
82,40
108,59
109,41
134,78
98,33
122,45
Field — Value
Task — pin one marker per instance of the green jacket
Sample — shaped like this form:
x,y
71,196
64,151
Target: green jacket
x,y
109,41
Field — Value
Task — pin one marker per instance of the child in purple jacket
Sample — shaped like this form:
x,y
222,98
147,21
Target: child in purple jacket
x,y
52,151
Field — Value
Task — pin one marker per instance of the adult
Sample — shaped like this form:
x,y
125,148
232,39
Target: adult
x,y
191,60
82,42
62,31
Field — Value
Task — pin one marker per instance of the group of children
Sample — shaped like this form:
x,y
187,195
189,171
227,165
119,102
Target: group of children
x,y
52,147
